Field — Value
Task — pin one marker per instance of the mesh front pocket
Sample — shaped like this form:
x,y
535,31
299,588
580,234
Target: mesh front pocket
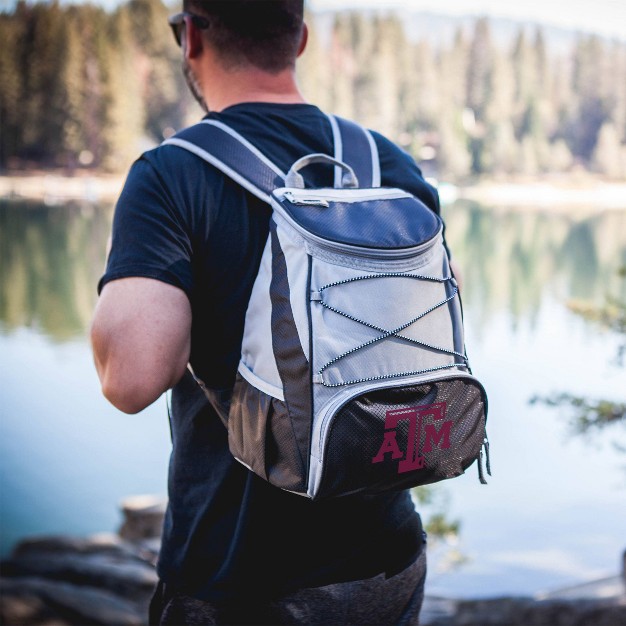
x,y
403,437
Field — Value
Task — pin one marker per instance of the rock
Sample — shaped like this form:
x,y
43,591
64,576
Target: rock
x,y
436,610
143,517
29,601
129,579
44,574
105,579
531,612
102,544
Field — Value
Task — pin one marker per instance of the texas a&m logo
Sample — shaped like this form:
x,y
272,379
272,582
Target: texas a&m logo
x,y
425,422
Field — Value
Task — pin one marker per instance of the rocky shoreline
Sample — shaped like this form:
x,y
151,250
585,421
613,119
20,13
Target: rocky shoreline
x,y
108,580
105,579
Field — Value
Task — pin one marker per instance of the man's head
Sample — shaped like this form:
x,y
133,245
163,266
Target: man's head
x,y
265,34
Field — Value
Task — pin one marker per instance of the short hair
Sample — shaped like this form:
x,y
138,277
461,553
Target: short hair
x,y
262,33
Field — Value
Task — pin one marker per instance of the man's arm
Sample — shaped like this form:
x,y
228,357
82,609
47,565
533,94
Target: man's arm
x,y
140,337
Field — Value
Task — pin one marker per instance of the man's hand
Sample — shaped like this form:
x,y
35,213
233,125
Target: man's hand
x,y
140,337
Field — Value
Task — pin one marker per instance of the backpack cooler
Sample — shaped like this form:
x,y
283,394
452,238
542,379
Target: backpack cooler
x,y
353,374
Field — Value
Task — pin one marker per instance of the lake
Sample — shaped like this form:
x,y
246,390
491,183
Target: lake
x,y
553,512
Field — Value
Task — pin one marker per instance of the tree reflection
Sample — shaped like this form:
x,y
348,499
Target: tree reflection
x,y
514,260
589,415
51,258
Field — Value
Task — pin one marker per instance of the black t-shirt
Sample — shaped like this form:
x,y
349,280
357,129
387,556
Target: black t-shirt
x,y
228,533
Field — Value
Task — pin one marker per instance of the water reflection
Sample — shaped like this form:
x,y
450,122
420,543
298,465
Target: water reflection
x,y
51,259
512,259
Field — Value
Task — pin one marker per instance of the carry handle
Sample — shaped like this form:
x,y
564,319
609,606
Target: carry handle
x,y
296,181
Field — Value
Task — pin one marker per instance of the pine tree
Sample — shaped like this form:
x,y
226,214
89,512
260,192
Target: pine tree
x,y
480,89
11,86
124,112
93,25
453,156
591,109
43,102
343,65
363,36
501,152
71,141
608,154
314,71
480,69
390,45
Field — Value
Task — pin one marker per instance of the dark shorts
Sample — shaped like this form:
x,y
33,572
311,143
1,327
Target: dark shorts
x,y
377,601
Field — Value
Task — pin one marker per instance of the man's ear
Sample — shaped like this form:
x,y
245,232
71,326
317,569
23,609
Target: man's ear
x,y
303,39
192,40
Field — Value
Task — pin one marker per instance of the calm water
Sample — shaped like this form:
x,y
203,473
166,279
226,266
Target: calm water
x,y
553,513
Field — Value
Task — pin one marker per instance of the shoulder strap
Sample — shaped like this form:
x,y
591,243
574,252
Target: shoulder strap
x,y
235,156
355,146
232,154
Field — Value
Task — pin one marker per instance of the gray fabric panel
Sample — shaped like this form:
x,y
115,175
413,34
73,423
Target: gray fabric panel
x,y
293,366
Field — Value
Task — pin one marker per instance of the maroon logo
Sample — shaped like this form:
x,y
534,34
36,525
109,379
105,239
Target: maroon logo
x,y
423,420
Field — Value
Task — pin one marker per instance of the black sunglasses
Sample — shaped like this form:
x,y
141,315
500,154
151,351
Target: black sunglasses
x,y
177,22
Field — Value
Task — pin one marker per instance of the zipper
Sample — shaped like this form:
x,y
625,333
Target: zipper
x,y
306,201
349,249
301,196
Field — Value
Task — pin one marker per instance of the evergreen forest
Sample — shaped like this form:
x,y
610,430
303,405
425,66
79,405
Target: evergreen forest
x,y
84,88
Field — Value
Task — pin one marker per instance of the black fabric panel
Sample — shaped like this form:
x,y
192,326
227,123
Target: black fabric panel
x,y
356,151
377,224
233,153
293,368
440,440
260,435
247,425
284,465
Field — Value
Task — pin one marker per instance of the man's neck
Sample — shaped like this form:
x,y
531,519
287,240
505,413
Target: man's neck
x,y
227,88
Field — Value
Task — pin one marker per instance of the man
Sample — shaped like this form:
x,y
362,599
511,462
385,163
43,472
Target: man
x,y
186,246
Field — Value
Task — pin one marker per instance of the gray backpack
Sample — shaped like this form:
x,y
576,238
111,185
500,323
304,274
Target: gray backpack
x,y
353,374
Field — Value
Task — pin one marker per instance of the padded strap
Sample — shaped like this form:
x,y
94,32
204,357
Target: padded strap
x,y
235,156
355,146
232,154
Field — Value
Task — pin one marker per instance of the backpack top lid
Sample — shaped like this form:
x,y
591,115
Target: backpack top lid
x,y
392,220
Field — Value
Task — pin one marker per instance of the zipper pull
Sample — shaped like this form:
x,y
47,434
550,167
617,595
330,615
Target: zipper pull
x,y
305,201
487,460
481,473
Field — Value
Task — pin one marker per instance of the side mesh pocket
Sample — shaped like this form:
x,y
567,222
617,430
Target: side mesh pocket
x,y
403,437
260,435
